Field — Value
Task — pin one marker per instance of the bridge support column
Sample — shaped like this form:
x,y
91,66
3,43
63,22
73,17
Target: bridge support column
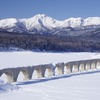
x,y
12,74
69,68
81,67
87,66
27,72
50,72
93,65
75,68
50,69
40,70
98,64
60,68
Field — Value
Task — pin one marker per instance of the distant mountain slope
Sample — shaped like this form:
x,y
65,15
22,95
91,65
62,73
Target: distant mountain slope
x,y
42,24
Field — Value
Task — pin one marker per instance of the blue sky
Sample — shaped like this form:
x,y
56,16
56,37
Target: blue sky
x,y
58,9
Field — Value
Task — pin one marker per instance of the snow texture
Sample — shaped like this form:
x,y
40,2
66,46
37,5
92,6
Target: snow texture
x,y
74,87
43,22
6,87
79,86
19,59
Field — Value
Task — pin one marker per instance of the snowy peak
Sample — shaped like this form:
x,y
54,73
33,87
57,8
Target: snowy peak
x,y
74,22
50,22
43,19
41,23
92,21
40,16
8,22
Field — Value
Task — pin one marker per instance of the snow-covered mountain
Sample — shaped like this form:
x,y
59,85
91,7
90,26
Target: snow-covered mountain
x,y
42,24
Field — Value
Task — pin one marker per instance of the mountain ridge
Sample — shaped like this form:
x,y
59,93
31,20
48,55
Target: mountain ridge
x,y
43,24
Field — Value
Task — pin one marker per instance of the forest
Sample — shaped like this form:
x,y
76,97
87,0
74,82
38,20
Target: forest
x,y
37,42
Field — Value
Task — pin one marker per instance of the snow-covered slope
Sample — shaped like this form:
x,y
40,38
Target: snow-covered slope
x,y
39,21
41,24
5,23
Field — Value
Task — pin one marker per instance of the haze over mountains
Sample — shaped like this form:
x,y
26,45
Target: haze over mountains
x,y
42,24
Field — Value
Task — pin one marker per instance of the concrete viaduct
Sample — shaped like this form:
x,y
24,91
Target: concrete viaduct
x,y
57,69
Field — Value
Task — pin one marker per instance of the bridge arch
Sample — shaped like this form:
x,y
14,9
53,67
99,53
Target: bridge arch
x,y
68,67
87,65
27,72
81,66
41,70
60,68
50,70
75,67
93,64
98,63
11,74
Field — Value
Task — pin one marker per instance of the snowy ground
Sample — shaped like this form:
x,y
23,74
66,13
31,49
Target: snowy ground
x,y
19,59
80,86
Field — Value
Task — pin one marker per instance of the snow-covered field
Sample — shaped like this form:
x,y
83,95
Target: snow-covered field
x,y
19,59
79,86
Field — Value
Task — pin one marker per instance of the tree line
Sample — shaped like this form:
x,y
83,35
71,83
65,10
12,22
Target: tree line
x,y
52,43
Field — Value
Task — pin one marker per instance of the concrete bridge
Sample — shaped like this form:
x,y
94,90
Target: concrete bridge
x,y
52,70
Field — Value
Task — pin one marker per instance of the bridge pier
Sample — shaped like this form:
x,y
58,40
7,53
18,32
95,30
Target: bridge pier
x,y
50,69
75,68
60,68
69,68
93,65
11,74
98,63
40,70
81,67
50,72
27,72
88,66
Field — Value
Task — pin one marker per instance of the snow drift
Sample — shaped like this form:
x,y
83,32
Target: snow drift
x,y
6,87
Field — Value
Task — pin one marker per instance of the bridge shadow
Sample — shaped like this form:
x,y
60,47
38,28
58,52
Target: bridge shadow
x,y
45,79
